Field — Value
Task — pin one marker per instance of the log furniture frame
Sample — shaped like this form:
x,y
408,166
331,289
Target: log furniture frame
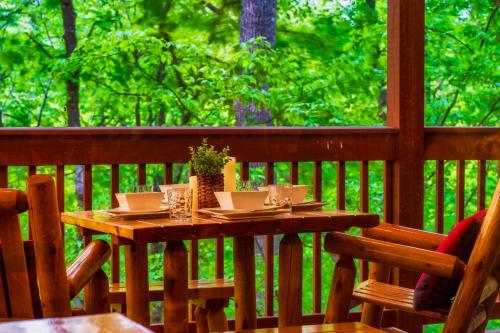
x,y
392,246
135,234
47,289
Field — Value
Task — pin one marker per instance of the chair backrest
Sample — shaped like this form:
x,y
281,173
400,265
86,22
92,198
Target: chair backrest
x,y
49,246
482,263
15,293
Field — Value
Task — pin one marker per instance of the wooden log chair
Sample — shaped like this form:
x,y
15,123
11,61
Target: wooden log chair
x,y
34,281
393,246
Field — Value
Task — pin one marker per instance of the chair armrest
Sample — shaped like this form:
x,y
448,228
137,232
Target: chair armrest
x,y
406,257
86,265
405,236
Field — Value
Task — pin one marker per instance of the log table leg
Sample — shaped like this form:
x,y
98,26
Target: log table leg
x,y
290,281
175,293
244,282
136,271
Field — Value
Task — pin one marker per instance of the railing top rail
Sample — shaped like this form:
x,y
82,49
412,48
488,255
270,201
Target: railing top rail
x,y
69,146
193,130
461,130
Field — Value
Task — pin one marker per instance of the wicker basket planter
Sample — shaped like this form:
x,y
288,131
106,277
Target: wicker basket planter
x,y
207,185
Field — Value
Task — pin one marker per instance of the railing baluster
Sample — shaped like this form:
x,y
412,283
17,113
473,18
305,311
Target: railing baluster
x,y
317,183
481,185
167,173
460,190
31,172
269,255
60,193
341,185
87,196
364,193
115,248
193,257
193,265
388,204
439,203
141,174
245,171
4,179
364,205
294,172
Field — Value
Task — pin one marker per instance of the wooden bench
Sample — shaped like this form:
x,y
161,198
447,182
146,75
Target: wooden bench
x,y
333,328
209,296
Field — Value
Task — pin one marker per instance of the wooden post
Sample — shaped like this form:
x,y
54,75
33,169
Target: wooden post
x,y
405,110
98,294
176,287
217,320
48,243
244,283
339,300
136,280
290,281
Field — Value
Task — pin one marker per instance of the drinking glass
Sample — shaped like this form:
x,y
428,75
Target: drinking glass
x,y
180,202
281,195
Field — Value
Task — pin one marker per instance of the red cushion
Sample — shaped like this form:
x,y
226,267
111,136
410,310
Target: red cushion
x,y
434,292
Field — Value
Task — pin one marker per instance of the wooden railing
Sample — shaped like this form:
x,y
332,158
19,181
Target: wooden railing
x,y
166,146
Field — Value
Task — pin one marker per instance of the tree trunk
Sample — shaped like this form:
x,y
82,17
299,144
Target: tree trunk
x,y
72,84
258,19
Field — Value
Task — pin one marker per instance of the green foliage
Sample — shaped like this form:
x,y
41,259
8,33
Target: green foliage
x,y
206,161
180,63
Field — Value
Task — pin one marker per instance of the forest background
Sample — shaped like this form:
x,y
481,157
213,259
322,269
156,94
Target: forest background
x,y
240,62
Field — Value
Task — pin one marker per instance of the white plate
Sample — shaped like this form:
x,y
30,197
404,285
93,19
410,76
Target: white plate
x,y
235,214
120,210
131,215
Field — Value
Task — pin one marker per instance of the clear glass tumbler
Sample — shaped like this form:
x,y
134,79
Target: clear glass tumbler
x,y
180,202
281,195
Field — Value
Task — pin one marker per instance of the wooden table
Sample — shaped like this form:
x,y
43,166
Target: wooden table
x,y
103,323
136,234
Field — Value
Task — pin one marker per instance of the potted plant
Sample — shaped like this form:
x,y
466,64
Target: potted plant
x,y
207,164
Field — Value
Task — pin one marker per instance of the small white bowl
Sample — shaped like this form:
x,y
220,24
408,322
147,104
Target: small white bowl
x,y
166,187
299,193
140,200
242,200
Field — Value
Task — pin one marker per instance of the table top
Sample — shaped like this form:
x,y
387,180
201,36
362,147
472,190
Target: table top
x,y
202,227
103,323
